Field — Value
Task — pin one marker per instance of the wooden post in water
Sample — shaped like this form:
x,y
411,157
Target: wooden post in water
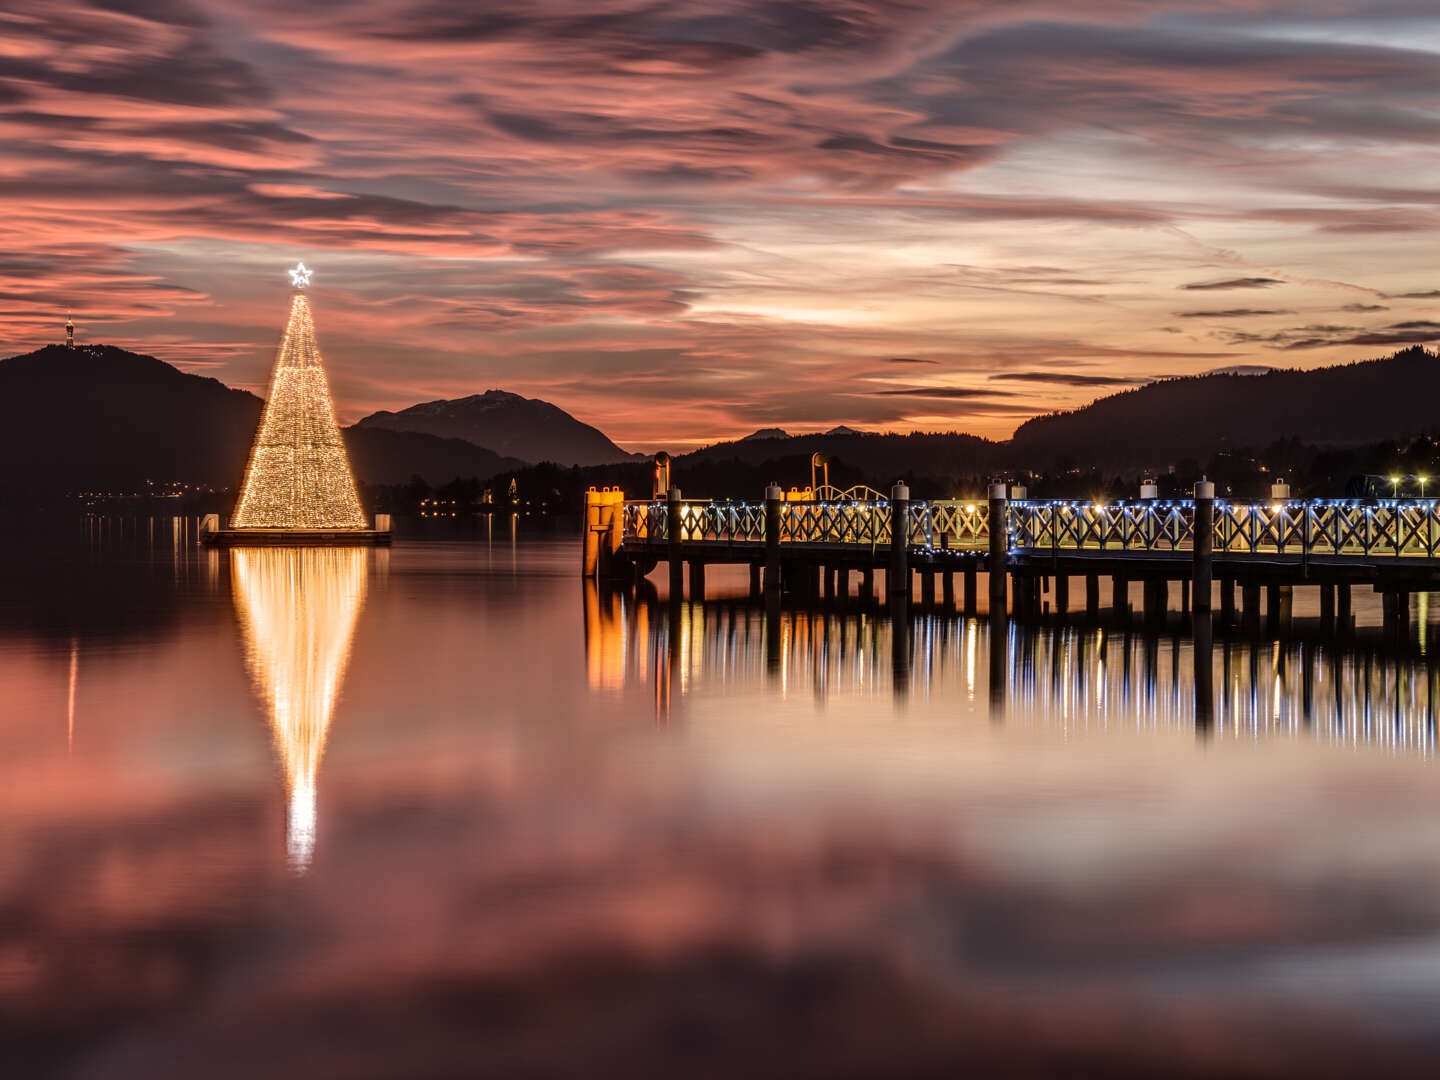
x,y
1327,608
697,579
1227,601
1203,550
1250,607
999,546
1062,596
590,535
1120,598
1092,597
754,581
1342,609
867,586
674,522
971,590
1284,597
899,574
610,561
773,495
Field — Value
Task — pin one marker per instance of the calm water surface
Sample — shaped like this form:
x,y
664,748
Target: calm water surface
x,y
441,811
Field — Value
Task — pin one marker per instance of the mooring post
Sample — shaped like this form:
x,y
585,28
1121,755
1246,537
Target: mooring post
x,y
773,495
1062,596
867,586
999,546
610,561
674,524
1202,566
971,590
1342,609
1092,597
1120,598
1284,596
899,575
697,579
1227,601
754,581
1327,608
590,535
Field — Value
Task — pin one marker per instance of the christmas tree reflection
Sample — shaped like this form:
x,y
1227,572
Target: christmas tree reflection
x,y
297,607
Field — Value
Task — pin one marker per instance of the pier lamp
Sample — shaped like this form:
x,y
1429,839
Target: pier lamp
x,y
1394,487
1422,481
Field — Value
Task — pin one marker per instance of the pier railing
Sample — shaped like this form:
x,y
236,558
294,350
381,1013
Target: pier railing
x,y
1324,527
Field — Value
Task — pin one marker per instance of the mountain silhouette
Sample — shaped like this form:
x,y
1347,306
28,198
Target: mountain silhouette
x,y
102,418
525,428
1161,422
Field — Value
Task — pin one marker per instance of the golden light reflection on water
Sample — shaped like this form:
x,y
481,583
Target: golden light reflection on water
x,y
1074,679
298,608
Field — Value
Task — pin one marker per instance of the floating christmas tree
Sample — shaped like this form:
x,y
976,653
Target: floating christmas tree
x,y
298,476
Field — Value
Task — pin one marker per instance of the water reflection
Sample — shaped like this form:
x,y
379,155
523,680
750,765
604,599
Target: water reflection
x,y
1078,679
298,607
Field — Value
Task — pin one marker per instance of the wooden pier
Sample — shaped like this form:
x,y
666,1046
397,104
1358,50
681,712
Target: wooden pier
x,y
837,547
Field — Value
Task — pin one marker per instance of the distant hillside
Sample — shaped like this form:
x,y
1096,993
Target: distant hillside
x,y
1162,422
874,459
102,418
519,427
97,416
394,457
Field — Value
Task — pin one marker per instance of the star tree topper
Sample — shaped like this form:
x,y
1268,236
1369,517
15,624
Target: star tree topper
x,y
300,277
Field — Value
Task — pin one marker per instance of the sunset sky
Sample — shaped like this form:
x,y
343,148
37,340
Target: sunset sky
x,y
686,221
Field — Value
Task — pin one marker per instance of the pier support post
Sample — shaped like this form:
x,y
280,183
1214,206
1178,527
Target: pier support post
x,y
1284,598
754,581
971,590
1227,601
927,588
1203,550
899,575
947,590
1062,596
829,573
999,546
674,523
697,580
1120,598
1092,597
1157,599
1342,609
773,494
1327,608
867,586
1250,607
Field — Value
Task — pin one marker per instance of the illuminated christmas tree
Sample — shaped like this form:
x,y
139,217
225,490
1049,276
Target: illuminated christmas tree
x,y
298,476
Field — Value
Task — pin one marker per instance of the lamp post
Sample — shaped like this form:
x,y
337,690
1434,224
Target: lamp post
x,y
1395,487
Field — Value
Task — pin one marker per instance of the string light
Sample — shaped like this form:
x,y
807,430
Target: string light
x,y
298,476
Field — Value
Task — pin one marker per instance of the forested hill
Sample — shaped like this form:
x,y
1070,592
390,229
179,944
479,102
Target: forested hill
x,y
1391,398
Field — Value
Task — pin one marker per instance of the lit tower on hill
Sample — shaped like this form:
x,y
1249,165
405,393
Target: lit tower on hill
x,y
69,332
299,476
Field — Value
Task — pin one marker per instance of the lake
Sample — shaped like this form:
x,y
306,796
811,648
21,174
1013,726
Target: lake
x,y
444,810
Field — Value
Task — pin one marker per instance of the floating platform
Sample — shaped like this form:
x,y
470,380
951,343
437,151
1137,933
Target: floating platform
x,y
228,538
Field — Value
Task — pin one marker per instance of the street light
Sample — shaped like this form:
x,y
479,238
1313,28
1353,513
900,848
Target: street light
x,y
1422,480
1394,487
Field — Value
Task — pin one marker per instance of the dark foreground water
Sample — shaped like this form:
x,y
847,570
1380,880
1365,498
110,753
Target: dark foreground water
x,y
438,811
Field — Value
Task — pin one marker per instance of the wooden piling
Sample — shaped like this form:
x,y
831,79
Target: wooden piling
x,y
674,522
899,575
1062,595
773,495
999,546
1203,547
971,590
1092,597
